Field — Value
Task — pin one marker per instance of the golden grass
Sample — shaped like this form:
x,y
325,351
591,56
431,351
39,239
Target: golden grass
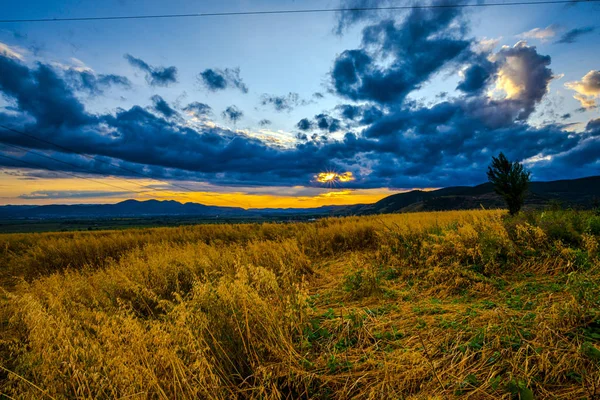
x,y
424,305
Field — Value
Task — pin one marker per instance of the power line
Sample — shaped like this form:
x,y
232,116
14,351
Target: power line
x,y
306,11
131,171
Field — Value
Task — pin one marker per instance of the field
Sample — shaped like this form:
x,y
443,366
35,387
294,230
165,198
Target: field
x,y
464,304
95,224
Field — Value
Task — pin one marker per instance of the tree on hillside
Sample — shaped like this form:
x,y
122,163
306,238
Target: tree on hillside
x,y
510,181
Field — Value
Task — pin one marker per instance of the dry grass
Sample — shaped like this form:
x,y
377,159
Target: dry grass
x,y
425,305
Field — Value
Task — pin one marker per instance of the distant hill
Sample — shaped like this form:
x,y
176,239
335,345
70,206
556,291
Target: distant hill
x,y
127,208
580,193
154,208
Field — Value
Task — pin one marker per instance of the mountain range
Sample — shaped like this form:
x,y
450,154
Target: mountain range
x,y
578,193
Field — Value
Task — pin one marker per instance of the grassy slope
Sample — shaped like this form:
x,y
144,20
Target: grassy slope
x,y
449,304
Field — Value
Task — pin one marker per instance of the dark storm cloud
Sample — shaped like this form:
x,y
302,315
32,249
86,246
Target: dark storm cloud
x,y
401,143
350,111
95,84
155,76
264,122
162,107
327,123
593,126
40,93
362,114
323,122
221,79
580,160
304,124
138,139
574,34
233,114
198,109
477,76
419,46
370,114
283,103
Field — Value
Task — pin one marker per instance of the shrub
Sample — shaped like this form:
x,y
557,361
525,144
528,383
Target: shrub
x,y
593,225
562,225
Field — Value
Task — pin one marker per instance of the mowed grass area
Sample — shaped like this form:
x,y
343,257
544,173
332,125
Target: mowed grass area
x,y
427,305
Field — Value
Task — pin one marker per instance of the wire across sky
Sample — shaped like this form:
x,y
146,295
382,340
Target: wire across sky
x,y
301,11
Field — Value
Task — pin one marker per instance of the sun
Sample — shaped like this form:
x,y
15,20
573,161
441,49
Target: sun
x,y
332,178
326,177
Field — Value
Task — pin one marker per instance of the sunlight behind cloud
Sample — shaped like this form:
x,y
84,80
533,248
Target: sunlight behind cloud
x,y
587,89
332,177
506,82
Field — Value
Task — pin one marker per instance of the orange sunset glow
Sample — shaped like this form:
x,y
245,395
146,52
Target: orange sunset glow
x,y
20,190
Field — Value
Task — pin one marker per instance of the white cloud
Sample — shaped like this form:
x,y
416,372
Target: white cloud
x,y
587,89
12,51
537,158
74,65
542,34
487,45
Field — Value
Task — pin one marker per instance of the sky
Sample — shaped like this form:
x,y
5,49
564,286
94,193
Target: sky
x,y
290,110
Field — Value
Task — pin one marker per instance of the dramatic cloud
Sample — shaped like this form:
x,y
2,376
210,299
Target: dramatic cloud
x,y
416,48
543,34
162,107
94,84
264,122
221,79
283,103
332,177
197,109
574,34
361,114
380,136
323,122
41,94
594,125
350,111
304,124
327,123
155,76
588,89
477,76
233,114
524,76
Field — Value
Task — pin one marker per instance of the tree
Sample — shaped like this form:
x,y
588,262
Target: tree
x,y
510,181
